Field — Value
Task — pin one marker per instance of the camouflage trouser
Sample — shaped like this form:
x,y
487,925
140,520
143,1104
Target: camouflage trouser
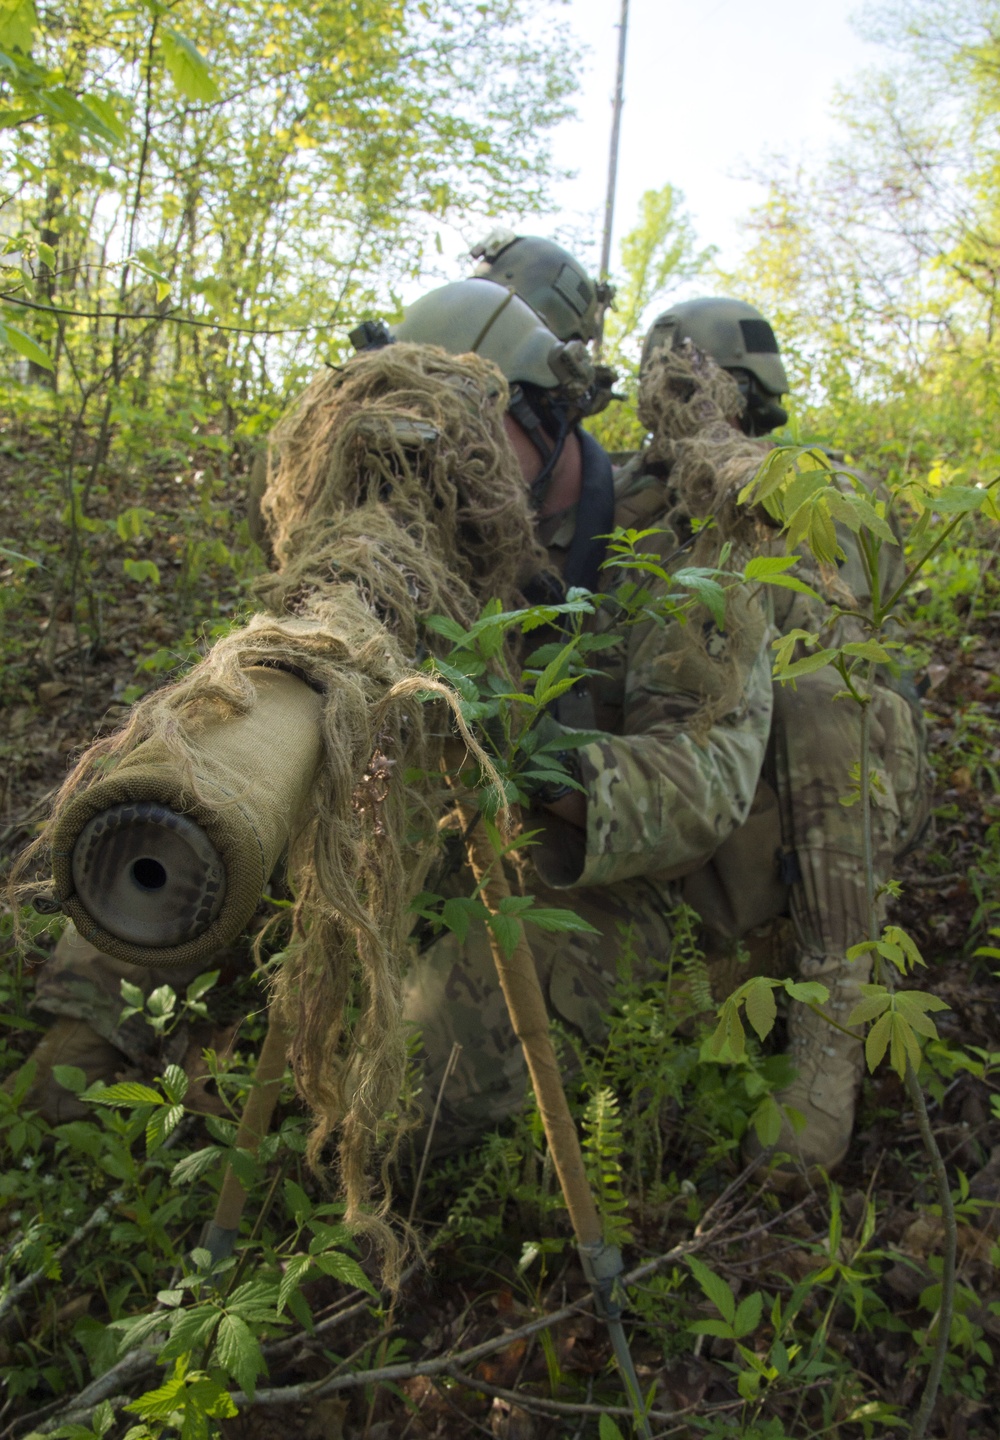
x,y
816,743
451,994
451,991
80,983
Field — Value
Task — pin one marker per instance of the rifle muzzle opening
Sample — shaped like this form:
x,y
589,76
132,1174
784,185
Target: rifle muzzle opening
x,y
148,875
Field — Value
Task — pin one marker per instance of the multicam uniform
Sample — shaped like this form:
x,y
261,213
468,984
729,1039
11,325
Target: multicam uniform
x,y
675,776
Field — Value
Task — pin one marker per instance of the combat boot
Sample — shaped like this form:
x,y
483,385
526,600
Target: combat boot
x,y
67,1042
829,1066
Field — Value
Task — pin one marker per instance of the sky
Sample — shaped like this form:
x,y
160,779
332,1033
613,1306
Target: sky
x,y
711,89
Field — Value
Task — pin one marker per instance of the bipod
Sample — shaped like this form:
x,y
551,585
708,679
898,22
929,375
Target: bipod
x,y
220,1233
602,1263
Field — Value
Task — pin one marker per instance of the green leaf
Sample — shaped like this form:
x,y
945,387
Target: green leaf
x,y
898,936
465,687
777,465
808,992
201,985
507,929
761,1009
912,1007
459,911
748,1315
343,1268
175,1083
878,1039
104,121
237,1350
721,1328
515,904
195,1164
18,22
806,666
766,1121
764,566
70,1077
955,499
131,523
608,1430
129,1093
559,921
297,1267
132,994
24,345
792,582
570,740
714,1287
137,1328
206,1396
870,1006
707,590
161,1403
903,1044
869,650
162,1122
142,570
187,66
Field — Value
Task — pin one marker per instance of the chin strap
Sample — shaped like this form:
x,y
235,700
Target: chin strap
x,y
550,450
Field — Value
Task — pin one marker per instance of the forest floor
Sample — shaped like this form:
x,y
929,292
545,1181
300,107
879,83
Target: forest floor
x,y
870,1297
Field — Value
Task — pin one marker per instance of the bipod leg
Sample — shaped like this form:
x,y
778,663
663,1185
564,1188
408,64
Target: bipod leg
x,y
219,1235
602,1264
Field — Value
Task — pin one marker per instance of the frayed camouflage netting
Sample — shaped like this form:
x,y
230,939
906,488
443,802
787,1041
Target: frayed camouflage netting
x,y
691,407
393,495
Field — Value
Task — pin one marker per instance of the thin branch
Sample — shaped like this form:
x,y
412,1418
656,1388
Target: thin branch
x,y
98,1218
295,1394
946,1306
559,1407
165,316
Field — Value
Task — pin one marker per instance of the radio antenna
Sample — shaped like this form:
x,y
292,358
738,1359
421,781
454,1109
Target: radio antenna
x,y
605,294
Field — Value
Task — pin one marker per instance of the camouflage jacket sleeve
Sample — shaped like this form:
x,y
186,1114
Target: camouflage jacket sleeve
x,y
688,711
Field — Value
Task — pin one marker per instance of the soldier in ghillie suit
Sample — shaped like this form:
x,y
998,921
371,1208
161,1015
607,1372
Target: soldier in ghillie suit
x,y
803,847
684,713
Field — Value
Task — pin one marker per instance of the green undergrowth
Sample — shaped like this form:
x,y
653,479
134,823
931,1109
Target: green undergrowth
x,y
102,1219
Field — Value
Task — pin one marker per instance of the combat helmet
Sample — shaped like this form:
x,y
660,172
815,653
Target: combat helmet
x,y
545,276
473,316
551,380
737,337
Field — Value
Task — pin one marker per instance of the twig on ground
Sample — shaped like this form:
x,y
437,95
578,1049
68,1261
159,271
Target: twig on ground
x,y
556,1407
99,1217
442,1364
449,1070
138,1362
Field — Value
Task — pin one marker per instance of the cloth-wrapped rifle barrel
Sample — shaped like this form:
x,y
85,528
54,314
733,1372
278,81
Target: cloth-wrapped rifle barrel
x,y
159,863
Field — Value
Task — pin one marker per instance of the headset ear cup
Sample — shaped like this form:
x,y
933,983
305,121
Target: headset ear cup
x,y
763,413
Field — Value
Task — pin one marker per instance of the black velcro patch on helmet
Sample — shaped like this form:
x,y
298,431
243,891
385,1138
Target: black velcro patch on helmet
x,y
758,337
573,288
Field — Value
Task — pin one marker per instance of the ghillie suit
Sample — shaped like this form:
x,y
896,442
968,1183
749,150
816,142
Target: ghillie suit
x,y
394,495
801,850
